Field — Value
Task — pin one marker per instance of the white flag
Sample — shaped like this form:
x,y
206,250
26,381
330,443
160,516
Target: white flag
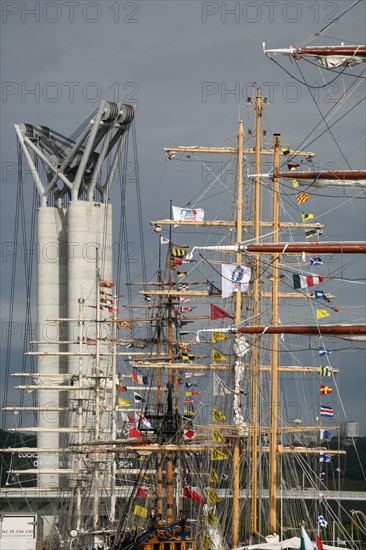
x,y
235,278
306,543
188,214
164,240
219,386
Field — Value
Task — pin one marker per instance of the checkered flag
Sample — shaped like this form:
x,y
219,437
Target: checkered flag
x,y
322,521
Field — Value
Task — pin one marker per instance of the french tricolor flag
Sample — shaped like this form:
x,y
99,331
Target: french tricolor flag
x,y
304,281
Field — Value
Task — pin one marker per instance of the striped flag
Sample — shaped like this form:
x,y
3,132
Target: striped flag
x,y
303,197
311,233
139,379
326,410
304,281
325,371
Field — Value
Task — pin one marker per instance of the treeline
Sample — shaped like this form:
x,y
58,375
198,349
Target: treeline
x,y
353,463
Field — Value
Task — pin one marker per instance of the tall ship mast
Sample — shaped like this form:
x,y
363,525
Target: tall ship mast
x,y
173,426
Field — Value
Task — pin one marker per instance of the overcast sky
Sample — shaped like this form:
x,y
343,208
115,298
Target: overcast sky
x,y
189,67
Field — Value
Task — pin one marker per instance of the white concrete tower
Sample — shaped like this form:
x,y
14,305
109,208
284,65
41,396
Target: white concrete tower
x,y
73,179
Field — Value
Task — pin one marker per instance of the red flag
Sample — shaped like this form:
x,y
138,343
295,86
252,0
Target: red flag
x,y
106,284
217,313
189,434
89,341
319,543
112,309
324,390
133,432
141,492
181,346
193,495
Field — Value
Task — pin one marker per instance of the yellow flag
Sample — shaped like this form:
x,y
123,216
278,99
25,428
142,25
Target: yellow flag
x,y
218,455
218,337
218,415
140,511
307,217
123,402
206,541
214,477
295,183
217,357
211,519
217,437
213,496
321,313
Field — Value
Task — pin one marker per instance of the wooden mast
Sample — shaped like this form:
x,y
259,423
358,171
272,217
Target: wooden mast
x,y
274,352
171,376
254,436
159,488
257,224
238,259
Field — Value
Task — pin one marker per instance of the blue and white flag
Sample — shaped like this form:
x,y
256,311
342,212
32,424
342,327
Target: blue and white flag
x,y
324,434
322,521
324,351
316,261
323,457
319,295
235,278
326,410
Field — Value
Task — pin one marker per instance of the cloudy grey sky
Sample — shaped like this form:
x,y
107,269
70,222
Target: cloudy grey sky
x,y
188,66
